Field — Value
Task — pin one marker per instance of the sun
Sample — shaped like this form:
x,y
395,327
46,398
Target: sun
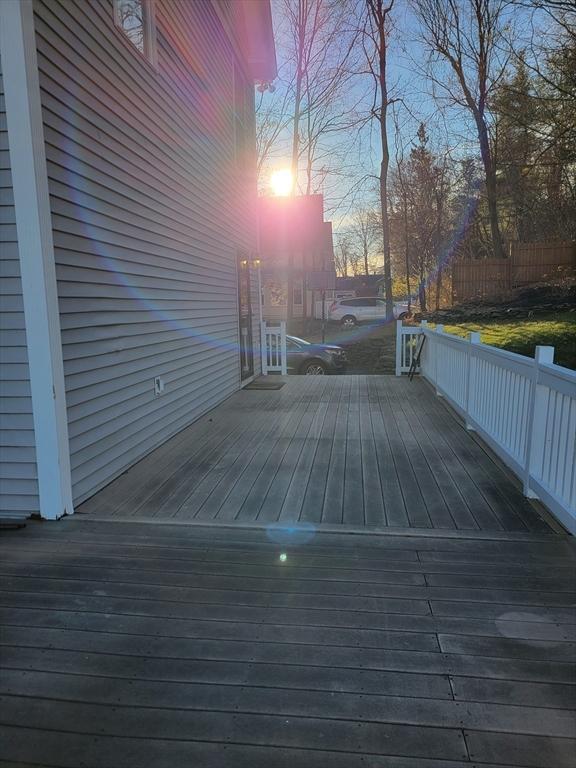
x,y
281,182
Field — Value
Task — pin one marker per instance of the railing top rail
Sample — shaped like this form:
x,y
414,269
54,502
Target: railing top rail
x,y
558,378
503,355
560,372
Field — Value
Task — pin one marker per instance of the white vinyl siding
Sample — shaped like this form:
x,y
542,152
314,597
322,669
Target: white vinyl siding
x,y
147,221
18,472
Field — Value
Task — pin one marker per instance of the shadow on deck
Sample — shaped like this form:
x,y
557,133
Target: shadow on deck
x,y
144,644
182,618
353,451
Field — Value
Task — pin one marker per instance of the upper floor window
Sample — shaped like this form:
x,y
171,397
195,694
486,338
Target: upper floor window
x,y
136,20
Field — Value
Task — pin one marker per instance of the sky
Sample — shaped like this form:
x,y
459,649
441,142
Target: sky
x,y
356,155
362,157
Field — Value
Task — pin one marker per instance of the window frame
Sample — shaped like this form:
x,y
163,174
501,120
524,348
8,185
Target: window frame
x,y
150,52
298,290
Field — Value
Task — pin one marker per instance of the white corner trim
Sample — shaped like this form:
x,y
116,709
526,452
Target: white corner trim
x,y
36,249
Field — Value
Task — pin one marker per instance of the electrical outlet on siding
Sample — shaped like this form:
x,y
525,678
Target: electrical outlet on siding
x,y
158,385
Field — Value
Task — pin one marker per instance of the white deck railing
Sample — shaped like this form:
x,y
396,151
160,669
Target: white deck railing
x,y
407,337
523,408
273,345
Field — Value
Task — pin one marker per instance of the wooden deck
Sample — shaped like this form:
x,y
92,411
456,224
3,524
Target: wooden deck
x,y
143,644
357,451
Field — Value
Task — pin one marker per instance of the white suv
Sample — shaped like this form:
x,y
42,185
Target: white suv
x,y
350,312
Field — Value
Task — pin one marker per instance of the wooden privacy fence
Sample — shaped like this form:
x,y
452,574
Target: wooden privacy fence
x,y
527,264
524,408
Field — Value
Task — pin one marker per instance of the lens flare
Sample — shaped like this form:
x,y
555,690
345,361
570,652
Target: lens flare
x,y
281,182
291,534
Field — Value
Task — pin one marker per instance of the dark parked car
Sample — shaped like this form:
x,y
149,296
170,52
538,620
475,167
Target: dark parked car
x,y
314,359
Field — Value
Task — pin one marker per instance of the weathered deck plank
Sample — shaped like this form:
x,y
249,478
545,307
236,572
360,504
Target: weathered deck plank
x,y
359,451
414,501
144,643
332,511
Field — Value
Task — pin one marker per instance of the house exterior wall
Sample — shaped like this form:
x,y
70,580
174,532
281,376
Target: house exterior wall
x,y
295,246
18,470
275,291
150,205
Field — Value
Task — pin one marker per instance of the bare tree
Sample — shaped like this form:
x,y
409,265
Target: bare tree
x,y
320,42
403,195
272,119
313,107
342,256
364,236
376,32
469,37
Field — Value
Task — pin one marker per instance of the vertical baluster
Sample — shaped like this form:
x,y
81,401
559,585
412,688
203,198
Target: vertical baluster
x,y
439,357
471,377
537,420
399,347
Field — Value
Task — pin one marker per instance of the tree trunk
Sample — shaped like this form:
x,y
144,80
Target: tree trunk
x,y
295,150
438,285
438,239
491,189
382,44
422,293
407,252
386,233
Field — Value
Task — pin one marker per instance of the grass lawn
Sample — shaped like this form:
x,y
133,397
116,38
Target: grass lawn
x,y
372,349
556,330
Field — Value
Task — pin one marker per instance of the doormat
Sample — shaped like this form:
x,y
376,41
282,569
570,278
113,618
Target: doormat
x,y
265,384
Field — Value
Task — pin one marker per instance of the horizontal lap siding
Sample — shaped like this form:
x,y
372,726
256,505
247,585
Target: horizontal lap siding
x,y
18,474
147,219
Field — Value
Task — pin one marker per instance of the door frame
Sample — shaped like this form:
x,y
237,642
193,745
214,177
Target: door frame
x,y
245,319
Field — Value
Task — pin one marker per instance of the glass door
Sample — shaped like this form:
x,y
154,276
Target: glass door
x,y
245,318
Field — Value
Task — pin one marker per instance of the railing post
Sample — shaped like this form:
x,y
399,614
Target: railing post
x,y
423,327
283,360
536,424
473,338
399,341
439,330
263,348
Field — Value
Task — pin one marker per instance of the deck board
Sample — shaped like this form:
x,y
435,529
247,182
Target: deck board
x,y
356,451
414,502
157,643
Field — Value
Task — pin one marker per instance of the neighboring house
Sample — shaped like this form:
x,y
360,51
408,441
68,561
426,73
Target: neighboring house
x,y
295,245
129,295
360,285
